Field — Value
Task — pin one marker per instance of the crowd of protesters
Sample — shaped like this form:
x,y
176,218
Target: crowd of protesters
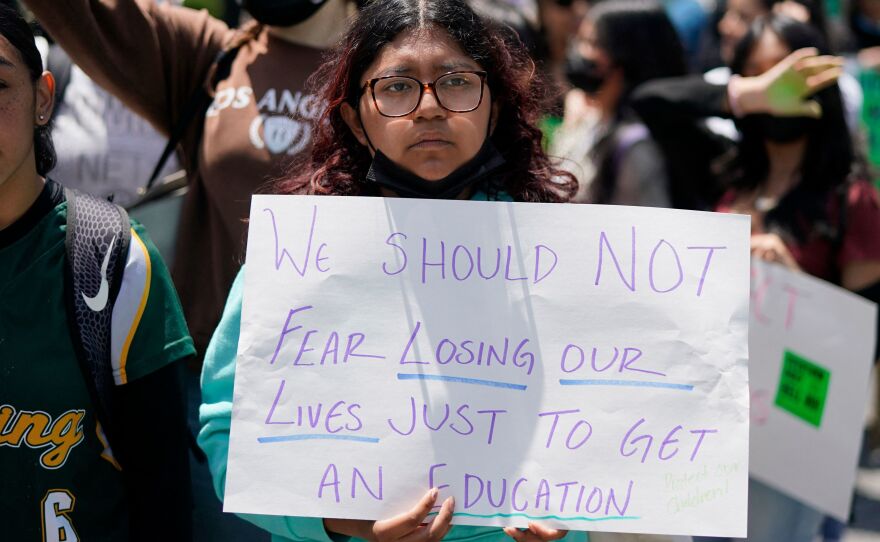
x,y
760,107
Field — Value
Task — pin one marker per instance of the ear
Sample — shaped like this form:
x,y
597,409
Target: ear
x,y
493,119
45,99
353,120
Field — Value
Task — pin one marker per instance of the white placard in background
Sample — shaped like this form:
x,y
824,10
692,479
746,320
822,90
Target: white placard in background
x,y
585,366
812,348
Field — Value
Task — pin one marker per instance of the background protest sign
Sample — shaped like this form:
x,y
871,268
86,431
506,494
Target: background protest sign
x,y
869,79
811,347
581,365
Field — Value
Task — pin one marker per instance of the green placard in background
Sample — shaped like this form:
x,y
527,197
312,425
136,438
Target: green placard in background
x,y
870,81
803,386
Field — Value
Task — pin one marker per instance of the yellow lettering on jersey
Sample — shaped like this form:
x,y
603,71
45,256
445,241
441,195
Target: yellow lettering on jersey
x,y
6,414
57,526
30,425
38,430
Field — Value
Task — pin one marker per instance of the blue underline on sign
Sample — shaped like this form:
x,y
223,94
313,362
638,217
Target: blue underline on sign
x,y
288,438
527,516
635,383
461,380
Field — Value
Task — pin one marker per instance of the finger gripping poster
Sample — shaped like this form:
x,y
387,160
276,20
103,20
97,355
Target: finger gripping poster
x,y
584,366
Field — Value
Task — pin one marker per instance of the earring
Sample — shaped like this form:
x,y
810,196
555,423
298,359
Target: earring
x,y
42,117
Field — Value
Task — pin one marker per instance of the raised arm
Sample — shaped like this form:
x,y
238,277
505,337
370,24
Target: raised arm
x,y
784,90
673,100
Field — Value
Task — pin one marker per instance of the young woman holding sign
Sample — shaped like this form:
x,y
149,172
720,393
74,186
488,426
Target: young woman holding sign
x,y
424,99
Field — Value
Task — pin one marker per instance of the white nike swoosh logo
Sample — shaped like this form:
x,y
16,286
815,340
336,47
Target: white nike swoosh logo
x,y
99,302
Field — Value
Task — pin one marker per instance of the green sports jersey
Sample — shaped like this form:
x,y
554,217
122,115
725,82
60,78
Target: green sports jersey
x,y
58,480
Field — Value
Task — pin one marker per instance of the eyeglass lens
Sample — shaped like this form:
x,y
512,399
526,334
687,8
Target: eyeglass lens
x,y
398,96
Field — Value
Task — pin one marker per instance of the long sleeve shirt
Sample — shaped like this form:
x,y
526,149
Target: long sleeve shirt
x,y
154,57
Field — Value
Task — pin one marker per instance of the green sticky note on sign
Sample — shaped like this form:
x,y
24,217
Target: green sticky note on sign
x,y
803,386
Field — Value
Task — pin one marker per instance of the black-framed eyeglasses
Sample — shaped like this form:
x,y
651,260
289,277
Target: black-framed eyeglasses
x,y
398,95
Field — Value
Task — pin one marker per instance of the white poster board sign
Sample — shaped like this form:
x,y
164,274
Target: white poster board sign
x,y
585,366
811,346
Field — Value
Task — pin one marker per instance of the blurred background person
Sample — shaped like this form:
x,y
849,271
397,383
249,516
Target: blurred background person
x,y
801,179
619,45
103,147
813,209
736,18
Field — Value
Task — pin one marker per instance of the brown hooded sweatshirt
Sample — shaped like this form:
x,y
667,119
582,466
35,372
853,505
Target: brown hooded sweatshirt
x,y
153,57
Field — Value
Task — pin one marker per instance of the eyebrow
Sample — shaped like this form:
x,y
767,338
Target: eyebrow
x,y
445,66
5,62
456,64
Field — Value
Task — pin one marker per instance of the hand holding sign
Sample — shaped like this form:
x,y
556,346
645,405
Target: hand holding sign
x,y
535,533
769,247
406,527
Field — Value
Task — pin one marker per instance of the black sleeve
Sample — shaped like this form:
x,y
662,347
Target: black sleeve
x,y
673,100
152,446
672,110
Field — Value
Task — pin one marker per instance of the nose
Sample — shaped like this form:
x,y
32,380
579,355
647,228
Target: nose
x,y
429,107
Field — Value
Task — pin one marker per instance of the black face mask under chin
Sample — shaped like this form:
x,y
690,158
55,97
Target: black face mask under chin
x,y
405,184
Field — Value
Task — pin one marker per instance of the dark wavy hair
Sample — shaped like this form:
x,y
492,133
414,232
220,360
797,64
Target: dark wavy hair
x,y
815,9
338,163
830,159
639,38
17,32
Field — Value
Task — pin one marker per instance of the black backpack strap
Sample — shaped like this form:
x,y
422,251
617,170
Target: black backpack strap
x,y
194,110
97,244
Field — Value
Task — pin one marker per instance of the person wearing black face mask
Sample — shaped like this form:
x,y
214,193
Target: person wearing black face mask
x,y
812,209
584,73
618,46
421,99
800,178
452,115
